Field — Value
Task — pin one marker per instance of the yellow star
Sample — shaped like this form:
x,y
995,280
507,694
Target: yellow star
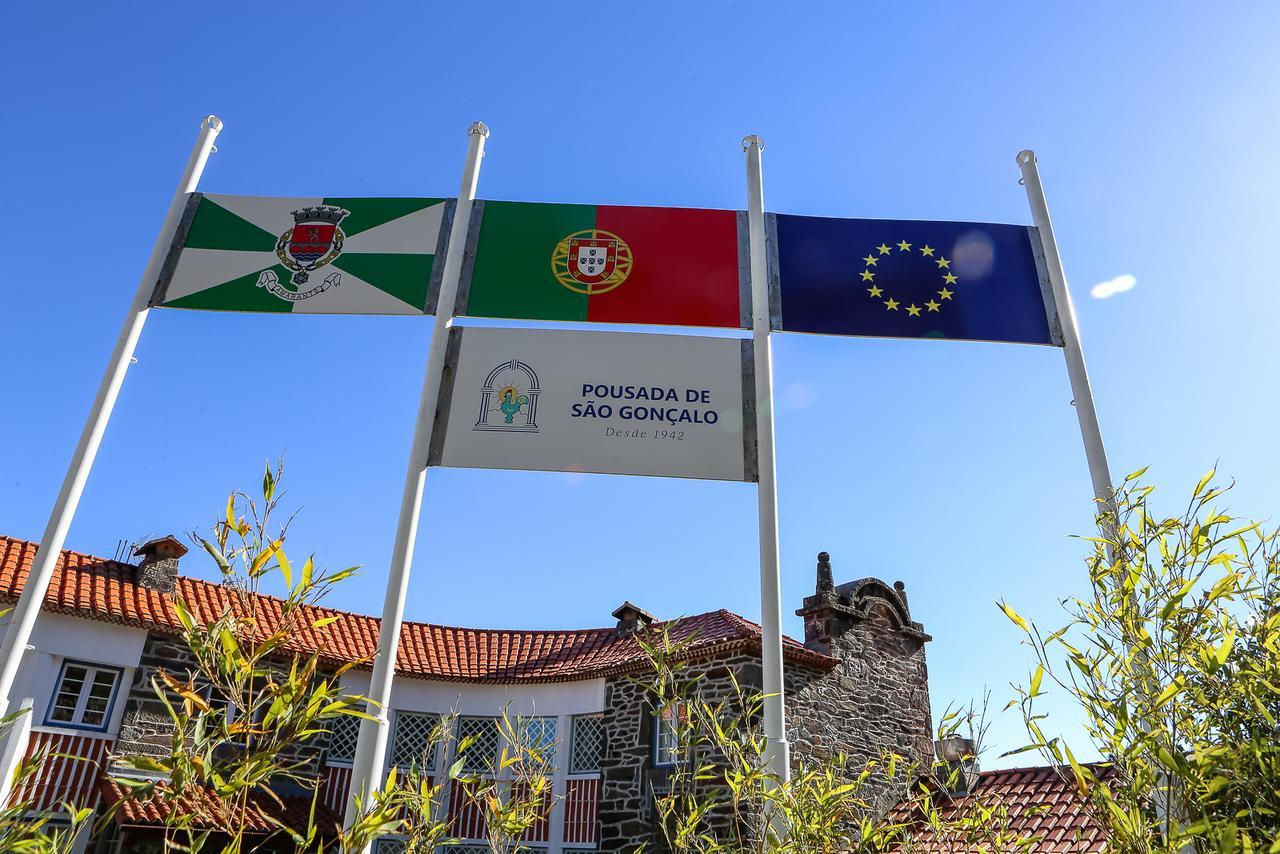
x,y
945,294
926,249
933,306
871,260
944,262
949,278
884,250
892,304
868,276
874,291
913,310
904,246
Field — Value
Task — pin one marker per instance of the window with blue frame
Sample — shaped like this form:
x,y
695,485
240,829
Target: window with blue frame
x,y
84,696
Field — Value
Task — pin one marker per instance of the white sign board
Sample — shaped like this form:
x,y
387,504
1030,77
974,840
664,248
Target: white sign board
x,y
611,402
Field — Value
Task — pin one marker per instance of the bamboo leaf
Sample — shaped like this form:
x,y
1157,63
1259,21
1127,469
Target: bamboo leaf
x,y
286,568
1014,616
1208,476
1224,651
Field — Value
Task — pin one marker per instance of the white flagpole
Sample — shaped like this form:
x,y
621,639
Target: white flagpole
x,y
1099,471
24,615
1095,452
777,754
366,772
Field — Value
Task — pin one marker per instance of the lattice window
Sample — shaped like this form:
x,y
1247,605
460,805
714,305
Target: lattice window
x,y
389,845
411,742
343,734
539,734
481,757
587,744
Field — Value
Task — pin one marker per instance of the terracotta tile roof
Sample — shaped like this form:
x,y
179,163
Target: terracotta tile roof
x,y
101,589
293,811
1040,802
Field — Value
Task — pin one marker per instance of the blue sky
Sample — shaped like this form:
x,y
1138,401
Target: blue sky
x,y
955,467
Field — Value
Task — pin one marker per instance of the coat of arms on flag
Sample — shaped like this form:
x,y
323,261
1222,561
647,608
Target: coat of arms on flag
x,y
591,261
314,240
316,256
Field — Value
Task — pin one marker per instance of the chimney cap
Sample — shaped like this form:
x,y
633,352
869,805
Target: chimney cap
x,y
162,547
620,611
955,748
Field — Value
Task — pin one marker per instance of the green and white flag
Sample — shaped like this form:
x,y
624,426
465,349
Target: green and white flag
x,y
307,256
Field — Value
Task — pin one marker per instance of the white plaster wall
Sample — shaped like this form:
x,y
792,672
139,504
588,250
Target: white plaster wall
x,y
554,699
58,637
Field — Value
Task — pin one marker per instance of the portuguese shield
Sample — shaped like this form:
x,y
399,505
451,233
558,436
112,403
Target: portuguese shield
x,y
592,260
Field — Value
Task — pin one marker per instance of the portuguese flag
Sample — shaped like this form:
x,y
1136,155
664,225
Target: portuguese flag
x,y
668,266
316,256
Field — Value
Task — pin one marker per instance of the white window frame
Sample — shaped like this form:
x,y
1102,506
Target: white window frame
x,y
329,758
665,755
524,726
77,714
573,744
434,749
490,770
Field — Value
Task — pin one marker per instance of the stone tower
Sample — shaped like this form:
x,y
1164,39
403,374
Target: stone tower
x,y
877,698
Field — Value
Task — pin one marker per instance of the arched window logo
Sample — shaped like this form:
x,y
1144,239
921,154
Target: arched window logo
x,y
509,399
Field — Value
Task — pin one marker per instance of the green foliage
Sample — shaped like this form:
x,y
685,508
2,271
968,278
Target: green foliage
x,y
1175,662
245,715
248,714
720,796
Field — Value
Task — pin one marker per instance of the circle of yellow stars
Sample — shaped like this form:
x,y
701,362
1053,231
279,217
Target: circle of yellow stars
x,y
891,304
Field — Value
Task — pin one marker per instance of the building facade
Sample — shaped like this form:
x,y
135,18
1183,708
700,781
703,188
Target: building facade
x,y
857,685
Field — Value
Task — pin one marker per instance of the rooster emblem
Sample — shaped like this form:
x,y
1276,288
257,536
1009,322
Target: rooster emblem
x,y
511,401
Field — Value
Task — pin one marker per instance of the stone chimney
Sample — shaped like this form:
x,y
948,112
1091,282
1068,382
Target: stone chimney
x,y
831,609
158,569
631,619
957,770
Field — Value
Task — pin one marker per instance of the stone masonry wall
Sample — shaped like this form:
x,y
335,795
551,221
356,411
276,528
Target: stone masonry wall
x,y
875,700
629,777
146,728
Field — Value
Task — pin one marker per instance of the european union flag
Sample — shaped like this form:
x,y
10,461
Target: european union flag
x,y
903,279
